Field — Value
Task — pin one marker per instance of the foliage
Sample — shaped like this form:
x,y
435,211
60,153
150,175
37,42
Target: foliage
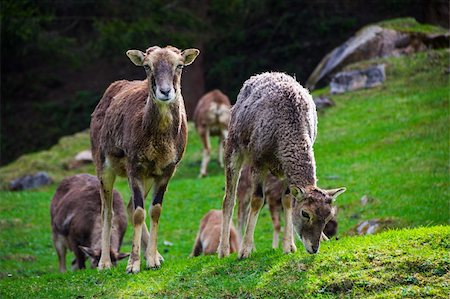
x,y
388,142
411,25
46,46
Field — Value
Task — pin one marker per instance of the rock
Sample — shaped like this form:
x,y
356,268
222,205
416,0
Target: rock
x,y
371,42
82,158
323,102
364,200
85,156
167,243
373,226
31,181
353,80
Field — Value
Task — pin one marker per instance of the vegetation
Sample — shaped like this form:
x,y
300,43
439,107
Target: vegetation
x,y
58,57
389,143
411,25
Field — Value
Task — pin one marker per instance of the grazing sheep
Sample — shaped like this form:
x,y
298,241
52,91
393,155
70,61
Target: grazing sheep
x,y
76,221
273,194
208,235
272,129
211,118
139,131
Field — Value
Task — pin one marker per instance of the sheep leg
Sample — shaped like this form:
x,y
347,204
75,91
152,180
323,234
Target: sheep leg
x,y
243,210
151,254
222,139
288,240
107,179
257,202
130,209
138,219
198,249
61,250
275,209
206,153
232,172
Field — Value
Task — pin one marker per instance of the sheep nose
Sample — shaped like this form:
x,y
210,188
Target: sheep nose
x,y
165,91
315,249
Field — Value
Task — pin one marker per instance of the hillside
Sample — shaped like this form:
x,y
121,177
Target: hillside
x,y
390,143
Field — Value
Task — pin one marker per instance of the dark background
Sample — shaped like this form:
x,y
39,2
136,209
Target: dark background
x,y
57,57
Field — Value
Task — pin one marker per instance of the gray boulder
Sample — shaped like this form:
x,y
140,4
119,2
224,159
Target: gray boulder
x,y
371,42
36,180
353,80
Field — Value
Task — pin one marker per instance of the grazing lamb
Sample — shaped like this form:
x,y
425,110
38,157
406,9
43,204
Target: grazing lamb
x,y
139,131
76,222
272,128
211,118
273,194
208,235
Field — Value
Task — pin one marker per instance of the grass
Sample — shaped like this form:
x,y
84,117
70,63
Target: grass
x,y
390,143
411,25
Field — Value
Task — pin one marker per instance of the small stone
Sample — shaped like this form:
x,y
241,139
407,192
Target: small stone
x,y
364,200
26,182
167,243
85,156
323,102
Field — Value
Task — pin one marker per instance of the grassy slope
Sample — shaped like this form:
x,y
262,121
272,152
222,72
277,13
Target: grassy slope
x,y
389,142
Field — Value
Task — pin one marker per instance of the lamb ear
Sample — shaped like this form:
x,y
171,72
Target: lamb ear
x,y
136,56
189,55
89,251
335,192
298,192
122,255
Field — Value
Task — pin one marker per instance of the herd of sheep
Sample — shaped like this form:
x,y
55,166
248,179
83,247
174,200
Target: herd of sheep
x,y
139,131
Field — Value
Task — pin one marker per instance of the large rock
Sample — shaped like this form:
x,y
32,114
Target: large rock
x,y
31,181
371,42
353,80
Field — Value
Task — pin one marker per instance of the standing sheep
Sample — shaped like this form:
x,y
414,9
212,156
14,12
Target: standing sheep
x,y
139,131
211,117
272,129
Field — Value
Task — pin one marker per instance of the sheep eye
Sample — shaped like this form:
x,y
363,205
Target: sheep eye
x,y
304,214
146,67
180,66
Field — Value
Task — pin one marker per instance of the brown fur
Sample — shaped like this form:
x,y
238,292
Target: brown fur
x,y
211,118
139,130
272,129
208,236
76,220
273,193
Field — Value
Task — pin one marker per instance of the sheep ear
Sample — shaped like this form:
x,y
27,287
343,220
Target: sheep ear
x,y
335,192
136,56
189,55
89,251
298,192
122,255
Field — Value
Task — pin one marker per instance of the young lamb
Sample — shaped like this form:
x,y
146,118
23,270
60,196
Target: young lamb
x,y
208,235
76,222
211,117
139,131
273,194
272,128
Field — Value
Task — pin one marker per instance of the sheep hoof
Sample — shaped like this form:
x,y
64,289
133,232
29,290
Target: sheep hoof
x,y
104,265
289,248
154,262
223,251
245,252
134,266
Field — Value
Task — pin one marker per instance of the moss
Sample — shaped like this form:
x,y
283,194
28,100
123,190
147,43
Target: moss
x,y
410,25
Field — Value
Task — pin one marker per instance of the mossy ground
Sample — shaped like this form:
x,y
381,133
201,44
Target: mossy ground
x,y
390,143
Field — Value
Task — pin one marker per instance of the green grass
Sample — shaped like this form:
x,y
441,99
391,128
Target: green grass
x,y
410,25
390,143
